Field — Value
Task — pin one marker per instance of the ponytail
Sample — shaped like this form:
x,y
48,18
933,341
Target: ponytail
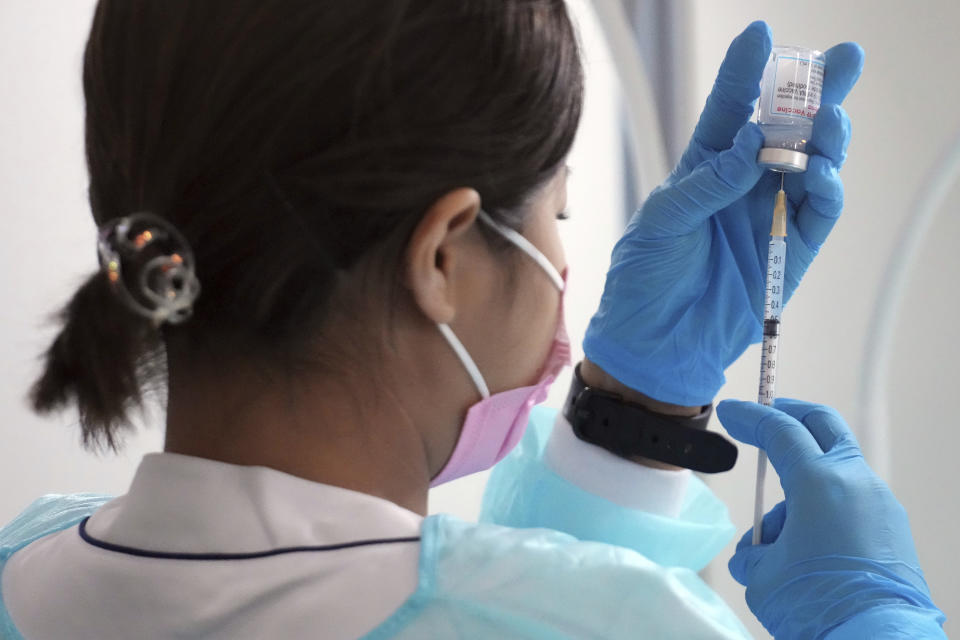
x,y
97,361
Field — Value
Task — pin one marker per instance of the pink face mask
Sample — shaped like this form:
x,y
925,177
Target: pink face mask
x,y
495,425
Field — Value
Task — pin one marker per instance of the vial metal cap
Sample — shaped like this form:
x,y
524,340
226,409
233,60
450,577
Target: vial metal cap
x,y
786,160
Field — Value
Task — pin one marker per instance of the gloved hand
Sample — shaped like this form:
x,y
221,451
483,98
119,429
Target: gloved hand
x,y
837,555
684,294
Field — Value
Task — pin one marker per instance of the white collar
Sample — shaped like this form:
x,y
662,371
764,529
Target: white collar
x,y
186,504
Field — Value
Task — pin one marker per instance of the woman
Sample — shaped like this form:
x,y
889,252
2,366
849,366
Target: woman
x,y
366,194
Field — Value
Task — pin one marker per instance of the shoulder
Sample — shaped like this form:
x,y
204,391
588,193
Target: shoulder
x,y
552,577
465,551
48,514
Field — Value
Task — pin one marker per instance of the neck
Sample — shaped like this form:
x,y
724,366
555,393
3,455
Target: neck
x,y
314,428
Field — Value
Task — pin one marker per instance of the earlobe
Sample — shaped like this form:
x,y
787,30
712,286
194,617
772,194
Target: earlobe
x,y
435,246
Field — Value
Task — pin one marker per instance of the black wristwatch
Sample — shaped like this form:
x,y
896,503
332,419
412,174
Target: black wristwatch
x,y
629,429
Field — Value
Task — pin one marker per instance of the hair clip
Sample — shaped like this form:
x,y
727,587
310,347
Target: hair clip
x,y
151,265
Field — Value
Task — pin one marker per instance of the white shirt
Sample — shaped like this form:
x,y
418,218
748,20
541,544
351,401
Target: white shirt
x,y
186,505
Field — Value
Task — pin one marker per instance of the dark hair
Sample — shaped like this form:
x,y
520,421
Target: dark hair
x,y
288,138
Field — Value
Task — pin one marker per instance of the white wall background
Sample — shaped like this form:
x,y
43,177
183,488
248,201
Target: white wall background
x,y
903,112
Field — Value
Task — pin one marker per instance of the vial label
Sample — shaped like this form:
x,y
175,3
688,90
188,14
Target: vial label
x,y
797,89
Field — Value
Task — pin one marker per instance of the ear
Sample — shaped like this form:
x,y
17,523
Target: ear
x,y
436,245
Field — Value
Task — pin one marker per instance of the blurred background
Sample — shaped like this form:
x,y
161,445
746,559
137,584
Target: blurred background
x,y
650,65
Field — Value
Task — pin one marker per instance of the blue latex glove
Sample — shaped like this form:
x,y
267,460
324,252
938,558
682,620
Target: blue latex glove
x,y
684,294
836,558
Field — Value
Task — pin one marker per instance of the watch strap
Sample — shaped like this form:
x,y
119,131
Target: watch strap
x,y
629,429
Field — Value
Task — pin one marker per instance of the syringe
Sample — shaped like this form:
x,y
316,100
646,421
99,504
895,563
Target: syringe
x,y
772,305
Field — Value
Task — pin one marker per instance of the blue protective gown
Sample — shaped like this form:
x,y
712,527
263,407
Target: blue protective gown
x,y
590,568
548,560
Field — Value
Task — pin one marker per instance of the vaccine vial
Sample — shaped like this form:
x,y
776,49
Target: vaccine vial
x,y
789,99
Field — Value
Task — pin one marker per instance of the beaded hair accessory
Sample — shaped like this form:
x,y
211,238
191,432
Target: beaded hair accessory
x,y
150,265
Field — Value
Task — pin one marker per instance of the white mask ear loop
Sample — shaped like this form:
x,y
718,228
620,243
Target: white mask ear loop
x,y
526,246
465,358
